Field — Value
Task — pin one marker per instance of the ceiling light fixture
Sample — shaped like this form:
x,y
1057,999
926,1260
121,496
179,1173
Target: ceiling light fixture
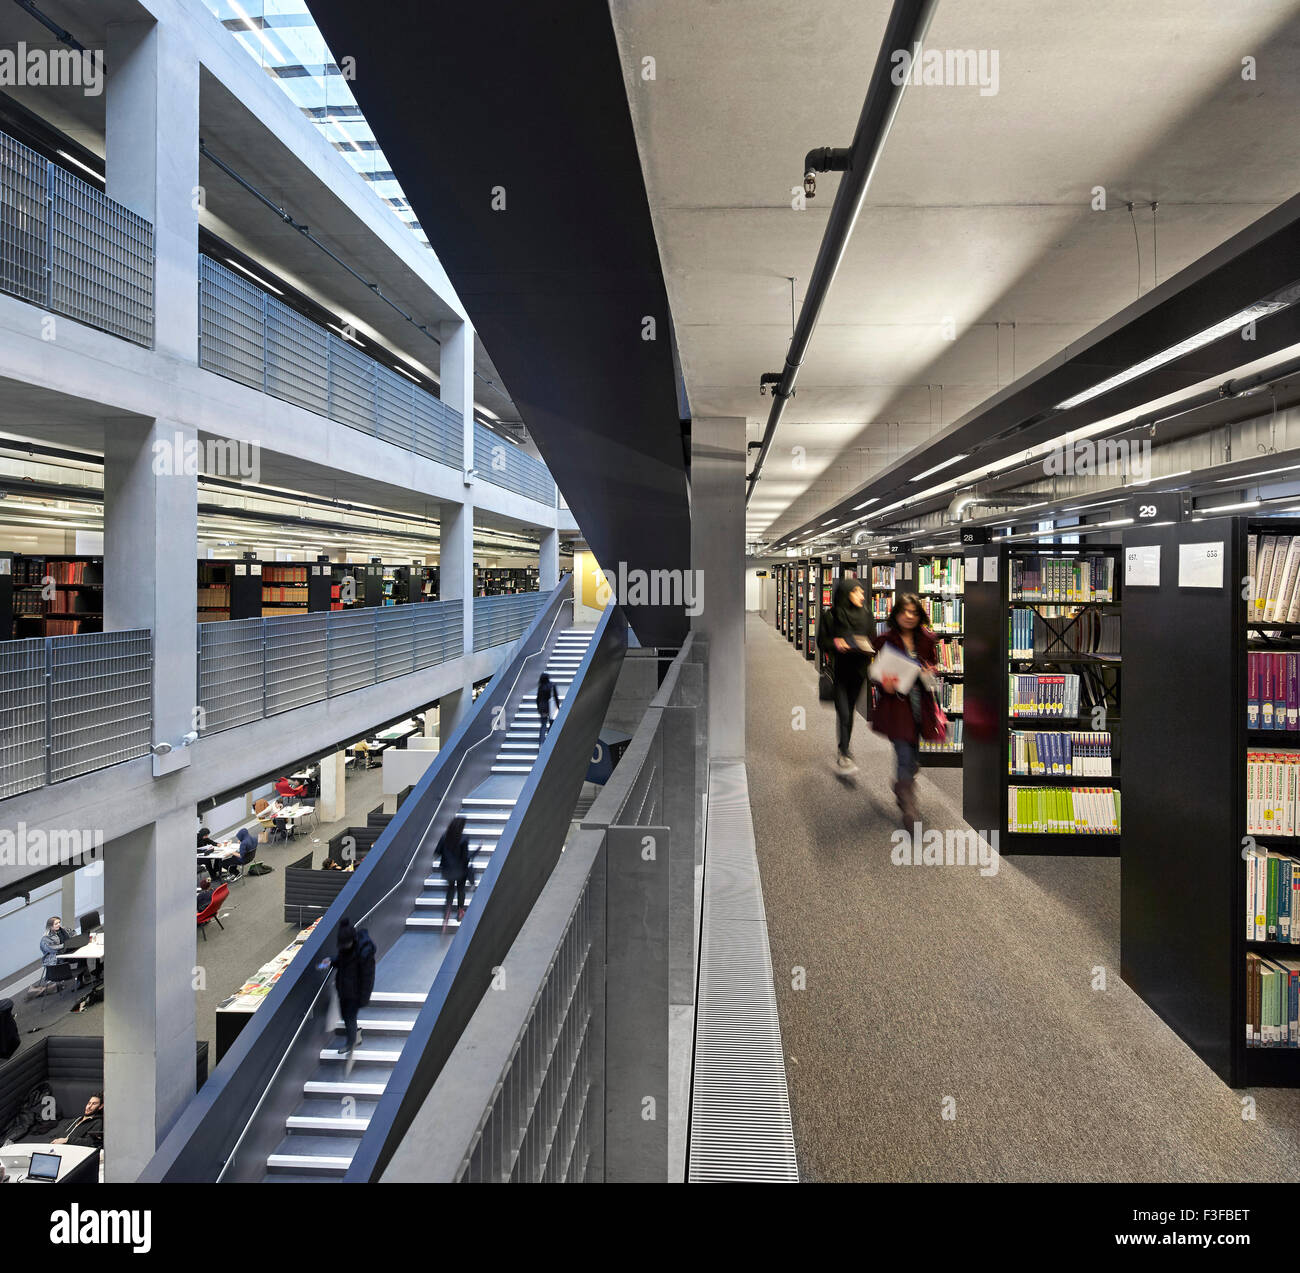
x,y
922,476
72,159
261,282
1228,325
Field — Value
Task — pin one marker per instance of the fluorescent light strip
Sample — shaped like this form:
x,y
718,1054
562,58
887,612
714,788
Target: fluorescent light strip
x,y
401,372
344,334
1164,477
72,159
1201,339
1245,478
922,476
875,499
261,282
1226,508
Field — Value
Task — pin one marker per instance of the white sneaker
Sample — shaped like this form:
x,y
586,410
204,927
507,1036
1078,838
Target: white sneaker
x,y
844,764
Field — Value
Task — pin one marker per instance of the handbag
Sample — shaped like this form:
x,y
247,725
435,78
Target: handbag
x,y
934,720
825,687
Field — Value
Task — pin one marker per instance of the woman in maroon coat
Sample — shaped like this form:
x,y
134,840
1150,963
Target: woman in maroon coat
x,y
898,716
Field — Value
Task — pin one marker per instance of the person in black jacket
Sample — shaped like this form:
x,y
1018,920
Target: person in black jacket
x,y
87,1128
453,853
9,1037
844,635
354,978
546,695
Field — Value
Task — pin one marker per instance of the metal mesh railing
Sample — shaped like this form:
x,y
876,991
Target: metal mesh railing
x,y
22,716
252,668
245,334
502,464
70,705
501,619
68,247
537,1127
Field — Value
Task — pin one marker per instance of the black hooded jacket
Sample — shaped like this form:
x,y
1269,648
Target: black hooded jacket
x,y
354,965
845,621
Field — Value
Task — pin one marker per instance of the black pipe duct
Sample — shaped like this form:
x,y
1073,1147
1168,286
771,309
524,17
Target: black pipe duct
x,y
908,22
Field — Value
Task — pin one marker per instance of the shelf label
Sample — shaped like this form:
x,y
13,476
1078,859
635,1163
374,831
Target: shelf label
x,y
1200,565
241,570
972,570
990,570
1142,567
254,567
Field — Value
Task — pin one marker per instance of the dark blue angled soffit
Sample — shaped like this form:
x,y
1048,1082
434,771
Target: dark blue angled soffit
x,y
483,102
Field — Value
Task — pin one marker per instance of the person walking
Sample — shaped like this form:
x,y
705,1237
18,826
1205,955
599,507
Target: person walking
x,y
898,715
453,854
354,979
546,695
844,636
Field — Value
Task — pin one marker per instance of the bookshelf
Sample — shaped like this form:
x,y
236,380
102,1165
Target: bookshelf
x,y
1183,906
812,606
496,581
799,610
228,590
940,583
52,596
1042,709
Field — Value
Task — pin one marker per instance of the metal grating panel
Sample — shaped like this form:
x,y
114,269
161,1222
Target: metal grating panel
x,y
502,464
537,1127
101,260
101,700
740,1104
438,632
438,430
24,226
230,673
394,407
297,359
499,620
296,660
351,651
353,386
394,642
22,716
232,325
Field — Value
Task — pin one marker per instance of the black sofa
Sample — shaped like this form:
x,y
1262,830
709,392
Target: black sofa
x,y
73,1067
309,893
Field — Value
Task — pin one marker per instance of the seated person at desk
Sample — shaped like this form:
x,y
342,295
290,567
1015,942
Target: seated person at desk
x,y
87,1129
288,789
52,944
213,865
204,894
361,750
268,814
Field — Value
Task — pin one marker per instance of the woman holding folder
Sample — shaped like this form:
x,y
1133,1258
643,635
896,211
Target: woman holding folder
x,y
900,699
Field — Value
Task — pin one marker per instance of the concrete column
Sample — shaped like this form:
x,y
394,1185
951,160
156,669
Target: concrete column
x,y
548,561
68,903
718,559
152,164
456,522
150,578
149,981
431,721
332,805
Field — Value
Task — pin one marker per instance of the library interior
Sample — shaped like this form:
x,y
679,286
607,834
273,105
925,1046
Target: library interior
x,y
688,652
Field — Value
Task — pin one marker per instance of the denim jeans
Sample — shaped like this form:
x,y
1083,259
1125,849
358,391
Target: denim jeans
x,y
908,755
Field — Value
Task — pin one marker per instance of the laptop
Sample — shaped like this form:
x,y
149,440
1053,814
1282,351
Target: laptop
x,y
44,1168
76,943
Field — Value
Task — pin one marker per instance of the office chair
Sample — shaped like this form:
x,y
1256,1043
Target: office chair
x,y
209,912
89,923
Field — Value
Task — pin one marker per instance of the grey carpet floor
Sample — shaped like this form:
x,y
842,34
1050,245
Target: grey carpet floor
x,y
933,990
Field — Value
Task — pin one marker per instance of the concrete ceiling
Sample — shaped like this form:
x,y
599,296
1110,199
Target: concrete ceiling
x,y
979,212
236,135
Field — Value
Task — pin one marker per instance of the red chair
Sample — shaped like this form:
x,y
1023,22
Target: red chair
x,y
209,912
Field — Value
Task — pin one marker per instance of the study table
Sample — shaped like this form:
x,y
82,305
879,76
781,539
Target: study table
x,y
79,1164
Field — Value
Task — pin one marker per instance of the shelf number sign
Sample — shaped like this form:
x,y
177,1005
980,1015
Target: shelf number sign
x,y
1147,512
1200,565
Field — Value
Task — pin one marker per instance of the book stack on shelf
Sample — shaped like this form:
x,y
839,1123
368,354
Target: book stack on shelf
x,y
940,582
1211,799
78,601
284,589
213,601
1045,626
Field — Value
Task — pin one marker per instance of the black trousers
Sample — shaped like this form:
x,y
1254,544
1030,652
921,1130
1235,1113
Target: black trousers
x,y
849,677
459,887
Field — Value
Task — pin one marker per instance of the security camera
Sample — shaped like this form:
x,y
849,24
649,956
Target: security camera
x,y
160,749
190,739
